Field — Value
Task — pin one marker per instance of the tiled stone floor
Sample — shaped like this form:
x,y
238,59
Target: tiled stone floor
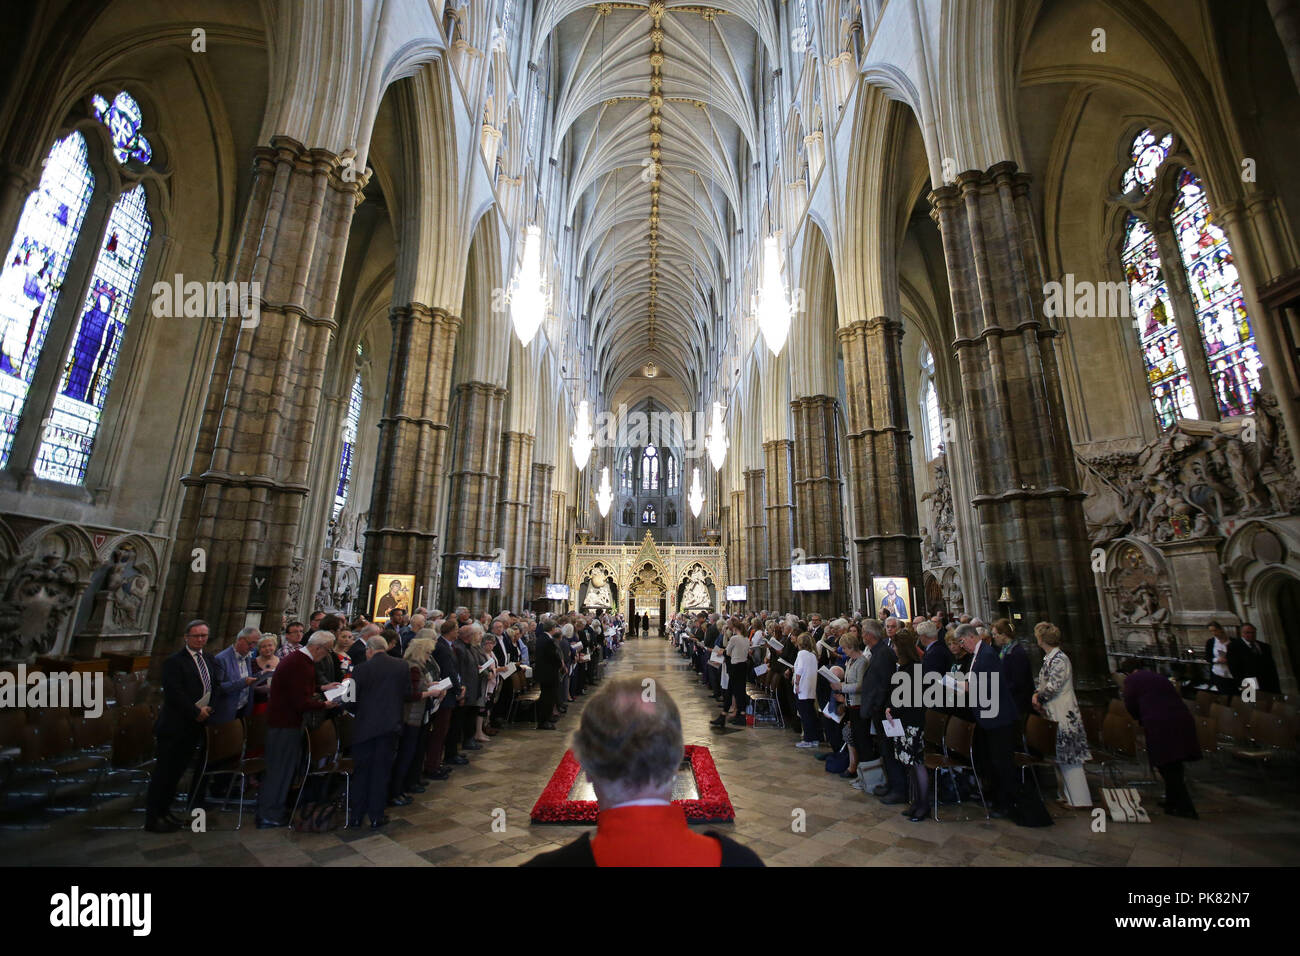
x,y
1245,818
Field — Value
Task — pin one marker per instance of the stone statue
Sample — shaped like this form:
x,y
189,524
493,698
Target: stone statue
x,y
1244,477
696,594
598,591
323,597
38,598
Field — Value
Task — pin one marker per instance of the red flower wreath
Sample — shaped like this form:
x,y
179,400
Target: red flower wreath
x,y
712,806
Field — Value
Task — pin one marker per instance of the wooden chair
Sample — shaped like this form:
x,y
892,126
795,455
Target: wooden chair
x,y
956,756
1039,747
1116,708
1271,737
1204,701
323,760
1230,724
1207,737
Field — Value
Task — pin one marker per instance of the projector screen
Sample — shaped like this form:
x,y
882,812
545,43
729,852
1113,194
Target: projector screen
x,y
478,574
557,592
810,577
736,592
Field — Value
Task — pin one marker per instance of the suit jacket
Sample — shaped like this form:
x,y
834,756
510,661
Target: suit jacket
x,y
875,685
546,667
182,686
937,659
986,662
1245,661
448,667
383,686
226,707
1015,671
357,652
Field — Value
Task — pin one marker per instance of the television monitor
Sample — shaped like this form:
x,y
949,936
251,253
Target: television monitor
x,y
736,592
478,574
810,577
557,592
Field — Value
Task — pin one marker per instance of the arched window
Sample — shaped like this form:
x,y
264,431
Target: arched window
x,y
930,415
650,469
649,516
625,474
1213,308
349,443
670,464
33,274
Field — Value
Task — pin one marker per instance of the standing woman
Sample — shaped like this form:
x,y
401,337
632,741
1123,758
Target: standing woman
x,y
909,749
486,683
1055,699
1015,665
1170,731
851,691
805,690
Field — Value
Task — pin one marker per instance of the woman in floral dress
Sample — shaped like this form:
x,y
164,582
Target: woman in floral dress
x,y
1055,700
909,749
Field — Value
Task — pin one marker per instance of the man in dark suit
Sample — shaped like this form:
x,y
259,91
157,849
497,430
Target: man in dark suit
x,y
546,669
1250,657
935,656
997,719
444,655
190,688
637,824
875,700
383,685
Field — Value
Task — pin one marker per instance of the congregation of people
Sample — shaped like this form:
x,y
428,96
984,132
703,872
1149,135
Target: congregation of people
x,y
409,700
834,681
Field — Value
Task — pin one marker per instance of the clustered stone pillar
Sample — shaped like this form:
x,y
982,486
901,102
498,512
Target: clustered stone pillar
x,y
539,527
248,479
402,537
756,538
881,488
1027,500
779,508
516,474
738,553
472,494
819,516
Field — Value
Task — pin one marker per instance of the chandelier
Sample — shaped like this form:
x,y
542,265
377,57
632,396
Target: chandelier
x,y
605,495
717,438
582,441
773,306
528,293
696,496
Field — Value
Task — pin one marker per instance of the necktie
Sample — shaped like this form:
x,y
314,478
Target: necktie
x,y
203,671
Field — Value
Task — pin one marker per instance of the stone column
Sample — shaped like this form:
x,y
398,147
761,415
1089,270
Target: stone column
x,y
411,456
819,517
779,509
472,490
512,517
1027,498
881,490
248,477
541,551
756,538
738,549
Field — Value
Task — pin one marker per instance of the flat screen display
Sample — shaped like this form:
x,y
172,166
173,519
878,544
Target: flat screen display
x,y
810,577
736,592
557,592
478,574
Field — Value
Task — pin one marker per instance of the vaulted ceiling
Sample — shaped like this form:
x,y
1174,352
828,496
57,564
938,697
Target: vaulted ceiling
x,y
655,118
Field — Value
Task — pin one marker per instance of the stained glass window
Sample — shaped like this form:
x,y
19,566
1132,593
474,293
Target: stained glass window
x,y
650,469
1158,337
123,119
1147,154
96,343
649,516
1220,308
349,442
625,474
930,405
33,274
670,460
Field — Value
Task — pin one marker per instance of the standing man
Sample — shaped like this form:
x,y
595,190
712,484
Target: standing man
x,y
383,686
236,677
189,681
292,640
547,671
1250,657
293,692
997,719
444,736
875,699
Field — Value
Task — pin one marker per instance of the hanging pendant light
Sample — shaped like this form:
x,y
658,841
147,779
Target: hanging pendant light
x,y
605,495
582,441
773,306
696,497
528,294
717,438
